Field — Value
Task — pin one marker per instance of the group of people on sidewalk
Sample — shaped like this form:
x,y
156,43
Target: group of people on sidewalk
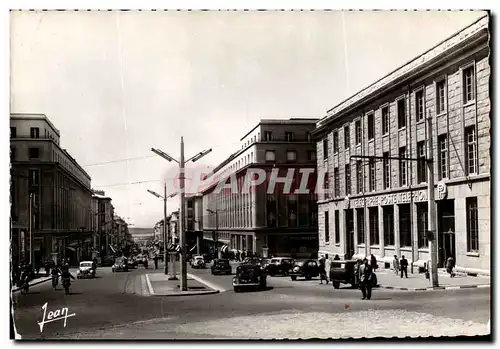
x,y
400,266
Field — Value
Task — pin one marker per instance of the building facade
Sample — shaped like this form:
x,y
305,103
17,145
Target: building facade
x,y
103,234
379,206
59,189
266,220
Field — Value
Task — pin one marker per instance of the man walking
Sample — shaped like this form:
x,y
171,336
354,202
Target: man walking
x,y
395,265
155,259
404,266
365,279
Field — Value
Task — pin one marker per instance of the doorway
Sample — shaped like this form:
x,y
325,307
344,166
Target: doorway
x,y
349,241
446,231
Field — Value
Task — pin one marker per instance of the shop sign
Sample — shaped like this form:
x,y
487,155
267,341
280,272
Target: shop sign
x,y
391,199
442,190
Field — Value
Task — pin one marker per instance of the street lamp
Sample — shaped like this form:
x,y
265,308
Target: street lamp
x,y
182,231
216,213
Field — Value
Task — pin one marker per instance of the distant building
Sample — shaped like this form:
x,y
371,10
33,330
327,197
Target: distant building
x,y
104,212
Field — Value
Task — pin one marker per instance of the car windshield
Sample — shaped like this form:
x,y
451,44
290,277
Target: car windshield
x,y
197,258
275,261
86,264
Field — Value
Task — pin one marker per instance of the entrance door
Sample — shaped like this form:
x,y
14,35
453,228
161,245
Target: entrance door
x,y
349,241
446,231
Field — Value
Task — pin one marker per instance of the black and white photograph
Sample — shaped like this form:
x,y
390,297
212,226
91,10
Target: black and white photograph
x,y
250,174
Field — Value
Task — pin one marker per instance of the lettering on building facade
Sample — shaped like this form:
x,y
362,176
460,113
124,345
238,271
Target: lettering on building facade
x,y
390,199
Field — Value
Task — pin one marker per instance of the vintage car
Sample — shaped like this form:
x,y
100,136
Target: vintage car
x,y
86,270
120,265
249,276
342,272
279,266
142,260
252,260
307,269
198,262
131,262
221,266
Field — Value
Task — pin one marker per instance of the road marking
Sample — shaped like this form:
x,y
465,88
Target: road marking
x,y
206,283
151,291
453,287
483,286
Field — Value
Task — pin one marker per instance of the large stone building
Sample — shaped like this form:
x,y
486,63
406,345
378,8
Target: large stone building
x,y
380,207
104,212
278,222
59,188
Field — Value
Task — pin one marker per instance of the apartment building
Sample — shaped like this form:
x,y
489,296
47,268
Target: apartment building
x,y
103,233
380,206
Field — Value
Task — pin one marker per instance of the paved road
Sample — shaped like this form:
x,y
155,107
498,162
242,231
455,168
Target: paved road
x,y
118,306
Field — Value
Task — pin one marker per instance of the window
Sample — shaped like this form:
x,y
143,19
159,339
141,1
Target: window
x,y
371,126
291,155
419,104
373,218
443,156
468,84
326,185
35,132
271,209
440,96
309,137
386,171
372,174
471,149
34,178
337,227
360,214
34,153
292,210
268,136
401,113
347,137
404,225
289,136
13,132
472,225
421,170
311,155
270,156
327,227
347,180
403,166
385,120
336,181
422,225
359,177
388,212
325,148
335,141
358,132
12,153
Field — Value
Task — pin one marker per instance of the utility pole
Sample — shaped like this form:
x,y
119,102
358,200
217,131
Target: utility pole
x,y
431,206
165,227
182,232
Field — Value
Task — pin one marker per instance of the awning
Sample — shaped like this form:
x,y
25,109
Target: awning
x,y
224,248
191,250
112,249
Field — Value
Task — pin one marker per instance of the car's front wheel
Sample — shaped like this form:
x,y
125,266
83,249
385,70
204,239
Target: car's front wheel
x,y
293,277
336,284
236,289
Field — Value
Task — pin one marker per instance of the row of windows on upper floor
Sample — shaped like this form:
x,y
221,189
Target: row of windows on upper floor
x,y
34,133
470,166
269,137
468,84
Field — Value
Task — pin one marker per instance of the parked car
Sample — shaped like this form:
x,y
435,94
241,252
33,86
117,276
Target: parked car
x,y
307,269
142,260
279,266
131,263
85,270
249,276
120,265
198,262
221,266
342,272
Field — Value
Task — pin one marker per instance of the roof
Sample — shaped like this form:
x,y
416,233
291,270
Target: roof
x,y
34,116
291,121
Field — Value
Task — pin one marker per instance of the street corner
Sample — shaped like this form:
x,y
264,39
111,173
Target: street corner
x,y
207,283
162,285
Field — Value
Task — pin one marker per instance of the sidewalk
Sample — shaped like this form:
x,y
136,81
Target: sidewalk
x,y
159,285
417,282
42,278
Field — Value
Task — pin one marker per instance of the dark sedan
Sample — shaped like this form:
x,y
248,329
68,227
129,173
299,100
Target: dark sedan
x,y
307,269
342,272
120,265
279,266
249,276
221,267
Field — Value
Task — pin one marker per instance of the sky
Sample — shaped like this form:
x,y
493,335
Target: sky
x,y
116,84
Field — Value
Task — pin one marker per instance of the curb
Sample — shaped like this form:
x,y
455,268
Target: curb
x,y
207,283
33,284
434,288
182,293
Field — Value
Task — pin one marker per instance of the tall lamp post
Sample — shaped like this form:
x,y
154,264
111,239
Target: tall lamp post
x,y
182,230
164,197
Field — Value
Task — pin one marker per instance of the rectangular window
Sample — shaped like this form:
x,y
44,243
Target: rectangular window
x,y
385,120
358,132
326,185
401,113
347,179
34,153
373,218
337,227
13,132
421,168
34,178
270,155
419,104
311,155
359,176
289,136
471,150
403,166
371,126
404,225
325,148
268,136
388,225
360,215
335,141
327,227
292,210
440,96
347,137
372,174
387,171
472,225
336,180
271,210
422,225
443,156
291,155
468,84
35,132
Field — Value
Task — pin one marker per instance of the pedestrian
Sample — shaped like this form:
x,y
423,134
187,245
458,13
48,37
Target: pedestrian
x,y
373,262
322,271
450,264
356,273
395,264
403,264
336,258
155,259
365,279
